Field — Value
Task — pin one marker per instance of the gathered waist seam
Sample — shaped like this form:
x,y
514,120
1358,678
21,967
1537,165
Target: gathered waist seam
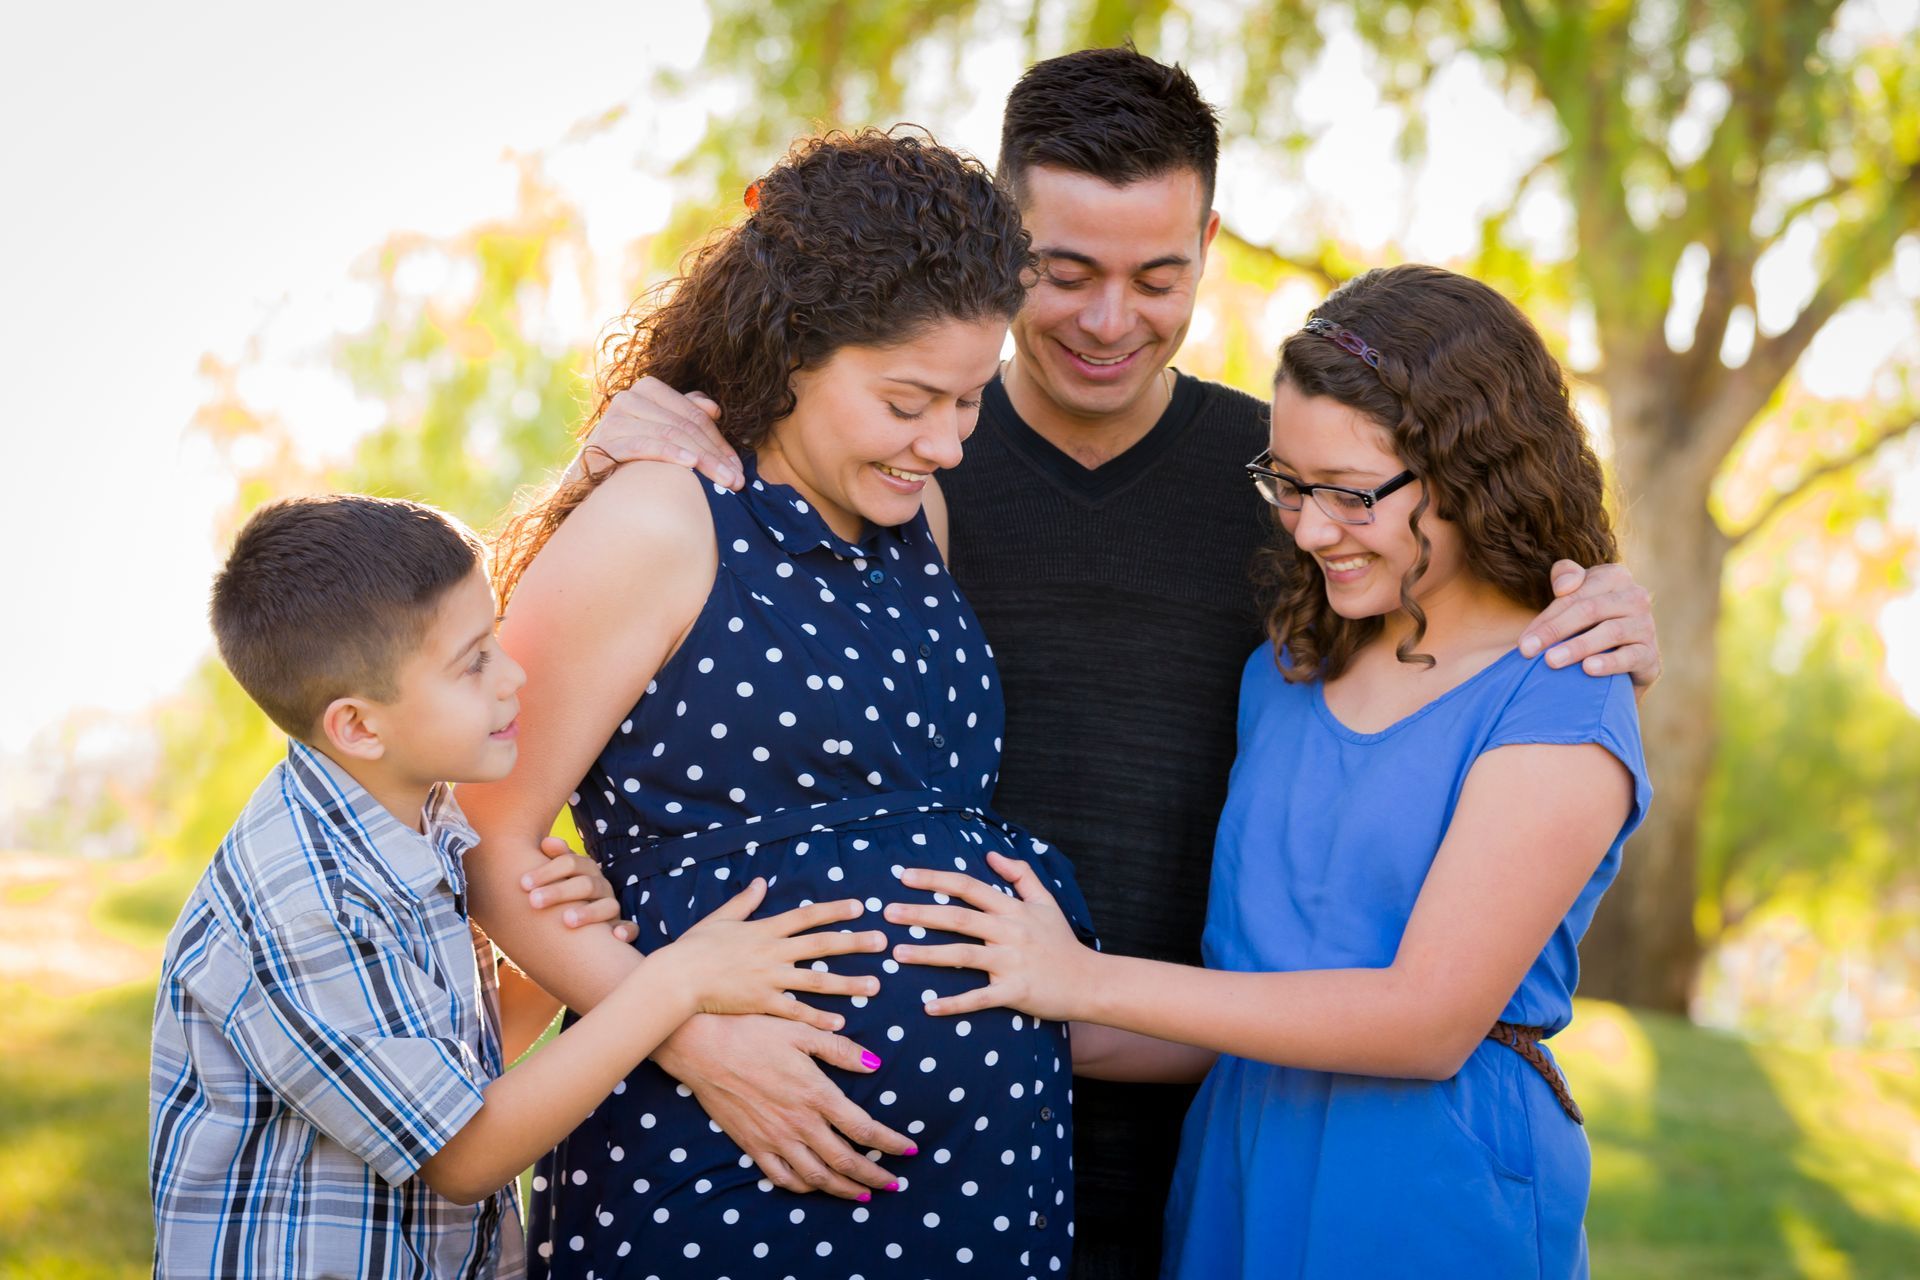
x,y
662,853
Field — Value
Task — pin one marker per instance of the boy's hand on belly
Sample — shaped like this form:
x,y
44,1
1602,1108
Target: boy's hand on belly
x,y
1028,951
757,1078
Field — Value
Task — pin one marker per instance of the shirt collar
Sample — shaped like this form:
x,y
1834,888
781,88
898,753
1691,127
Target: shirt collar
x,y
796,527
421,862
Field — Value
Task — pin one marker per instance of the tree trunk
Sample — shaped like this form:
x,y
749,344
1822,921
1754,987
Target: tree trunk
x,y
1643,949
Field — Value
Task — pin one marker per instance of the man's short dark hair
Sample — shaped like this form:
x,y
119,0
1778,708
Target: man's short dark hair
x,y
1113,113
326,597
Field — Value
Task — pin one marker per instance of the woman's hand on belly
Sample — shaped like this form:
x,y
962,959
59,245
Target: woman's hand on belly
x,y
757,1078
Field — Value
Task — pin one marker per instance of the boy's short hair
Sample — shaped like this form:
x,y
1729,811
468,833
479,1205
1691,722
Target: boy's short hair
x,y
325,597
1115,114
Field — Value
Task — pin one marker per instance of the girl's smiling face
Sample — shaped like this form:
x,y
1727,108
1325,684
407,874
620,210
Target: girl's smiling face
x,y
871,425
1318,440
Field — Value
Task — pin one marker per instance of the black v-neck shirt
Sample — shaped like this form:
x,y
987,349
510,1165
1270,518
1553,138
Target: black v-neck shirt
x,y
1118,604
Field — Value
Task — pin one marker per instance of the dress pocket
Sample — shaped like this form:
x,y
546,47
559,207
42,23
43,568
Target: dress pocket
x,y
1409,1185
1483,1102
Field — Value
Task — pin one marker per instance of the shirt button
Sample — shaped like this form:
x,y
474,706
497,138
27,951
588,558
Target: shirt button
x,y
1040,1221
876,576
939,741
926,651
1046,1113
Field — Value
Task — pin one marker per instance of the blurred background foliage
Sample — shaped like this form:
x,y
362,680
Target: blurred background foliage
x,y
1685,143
1729,471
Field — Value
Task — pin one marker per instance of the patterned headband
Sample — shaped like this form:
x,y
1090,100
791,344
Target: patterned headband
x,y
1344,338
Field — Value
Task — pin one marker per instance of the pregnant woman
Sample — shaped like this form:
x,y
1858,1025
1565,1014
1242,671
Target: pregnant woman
x,y
784,682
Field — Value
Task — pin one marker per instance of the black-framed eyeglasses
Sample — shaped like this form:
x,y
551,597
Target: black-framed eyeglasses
x,y
1346,505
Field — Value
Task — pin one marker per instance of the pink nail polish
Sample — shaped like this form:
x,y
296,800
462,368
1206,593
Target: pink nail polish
x,y
865,1196
911,1151
894,1185
871,1061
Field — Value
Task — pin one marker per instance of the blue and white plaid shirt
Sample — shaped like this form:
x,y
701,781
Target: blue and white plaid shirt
x,y
327,1020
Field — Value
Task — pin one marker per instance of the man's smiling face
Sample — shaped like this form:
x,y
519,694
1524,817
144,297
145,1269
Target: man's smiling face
x,y
1120,267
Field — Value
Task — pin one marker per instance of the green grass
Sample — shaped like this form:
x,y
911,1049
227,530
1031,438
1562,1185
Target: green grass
x,y
1712,1157
73,1124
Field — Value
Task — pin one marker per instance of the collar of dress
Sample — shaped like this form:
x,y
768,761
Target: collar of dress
x,y
796,527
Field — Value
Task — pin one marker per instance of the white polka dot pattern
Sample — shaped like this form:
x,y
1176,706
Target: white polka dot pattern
x,y
831,718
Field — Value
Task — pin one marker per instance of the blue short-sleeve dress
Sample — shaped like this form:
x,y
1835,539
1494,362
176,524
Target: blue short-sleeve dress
x,y
1326,838
832,717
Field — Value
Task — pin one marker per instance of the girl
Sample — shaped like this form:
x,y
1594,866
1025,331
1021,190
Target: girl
x,y
783,682
1419,825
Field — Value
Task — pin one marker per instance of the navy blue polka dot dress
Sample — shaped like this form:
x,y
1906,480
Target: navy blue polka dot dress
x,y
833,717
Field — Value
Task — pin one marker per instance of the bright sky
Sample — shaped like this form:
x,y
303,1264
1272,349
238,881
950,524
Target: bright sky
x,y
183,177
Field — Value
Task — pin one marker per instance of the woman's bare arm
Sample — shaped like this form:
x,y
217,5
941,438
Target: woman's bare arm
x,y
596,614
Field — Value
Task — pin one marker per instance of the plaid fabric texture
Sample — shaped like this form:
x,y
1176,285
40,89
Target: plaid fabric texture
x,y
327,1019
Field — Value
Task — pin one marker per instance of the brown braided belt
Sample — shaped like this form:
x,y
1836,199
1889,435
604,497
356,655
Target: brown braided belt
x,y
1525,1041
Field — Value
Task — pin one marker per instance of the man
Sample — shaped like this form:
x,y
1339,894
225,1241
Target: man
x,y
1102,528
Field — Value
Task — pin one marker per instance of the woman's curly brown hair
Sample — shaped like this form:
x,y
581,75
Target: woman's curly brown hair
x,y
862,239
1478,410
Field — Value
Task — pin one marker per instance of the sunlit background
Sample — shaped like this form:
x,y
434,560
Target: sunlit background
x,y
223,219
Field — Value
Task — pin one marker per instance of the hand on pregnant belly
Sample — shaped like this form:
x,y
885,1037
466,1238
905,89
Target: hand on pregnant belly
x,y
1027,948
760,1081
730,964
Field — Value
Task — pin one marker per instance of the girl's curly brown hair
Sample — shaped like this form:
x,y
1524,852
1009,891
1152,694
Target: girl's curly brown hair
x,y
1478,410
853,239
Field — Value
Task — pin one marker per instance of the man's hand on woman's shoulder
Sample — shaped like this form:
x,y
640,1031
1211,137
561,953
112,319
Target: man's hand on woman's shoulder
x,y
651,422
1602,619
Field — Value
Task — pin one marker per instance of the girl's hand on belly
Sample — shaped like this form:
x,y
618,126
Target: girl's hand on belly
x,y
1027,949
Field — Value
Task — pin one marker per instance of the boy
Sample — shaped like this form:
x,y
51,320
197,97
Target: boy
x,y
327,1026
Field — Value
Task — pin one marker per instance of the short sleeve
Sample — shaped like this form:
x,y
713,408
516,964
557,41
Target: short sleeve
x,y
1568,707
1056,872
336,1017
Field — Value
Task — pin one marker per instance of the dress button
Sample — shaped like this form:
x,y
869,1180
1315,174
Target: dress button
x,y
939,741
1040,1221
1046,1113
926,651
876,576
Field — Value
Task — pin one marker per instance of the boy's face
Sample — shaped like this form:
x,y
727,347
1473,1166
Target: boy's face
x,y
1120,269
453,719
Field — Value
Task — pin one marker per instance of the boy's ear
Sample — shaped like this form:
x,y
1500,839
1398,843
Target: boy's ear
x,y
348,726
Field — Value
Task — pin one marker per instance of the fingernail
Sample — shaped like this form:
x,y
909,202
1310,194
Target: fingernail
x,y
895,1184
911,1151
871,1061
1565,582
526,882
864,1196
1556,657
1529,645
535,899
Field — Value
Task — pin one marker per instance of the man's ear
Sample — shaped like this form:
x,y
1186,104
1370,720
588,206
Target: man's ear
x,y
349,726
1208,232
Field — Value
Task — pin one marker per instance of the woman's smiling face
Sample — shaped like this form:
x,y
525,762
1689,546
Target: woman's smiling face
x,y
1318,440
871,425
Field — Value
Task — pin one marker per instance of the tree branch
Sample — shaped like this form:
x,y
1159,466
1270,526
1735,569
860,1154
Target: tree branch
x,y
1323,267
1858,252
1798,210
1872,443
